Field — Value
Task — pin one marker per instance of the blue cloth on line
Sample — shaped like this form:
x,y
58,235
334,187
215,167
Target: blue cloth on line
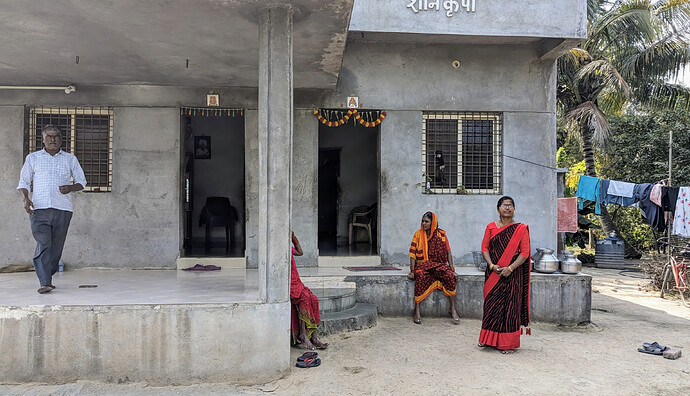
x,y
606,198
588,189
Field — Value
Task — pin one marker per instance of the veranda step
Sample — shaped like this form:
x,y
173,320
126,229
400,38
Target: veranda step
x,y
335,299
361,316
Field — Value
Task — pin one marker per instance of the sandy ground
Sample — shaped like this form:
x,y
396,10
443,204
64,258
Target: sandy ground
x,y
438,357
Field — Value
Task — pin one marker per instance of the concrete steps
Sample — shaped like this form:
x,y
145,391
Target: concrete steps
x,y
361,316
340,311
335,300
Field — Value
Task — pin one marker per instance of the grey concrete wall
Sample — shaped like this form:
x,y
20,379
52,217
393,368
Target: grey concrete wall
x,y
409,76
223,174
132,95
554,298
305,172
16,243
159,344
134,226
526,18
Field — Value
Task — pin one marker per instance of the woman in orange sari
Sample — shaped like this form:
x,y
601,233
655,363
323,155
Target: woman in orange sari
x,y
505,248
431,265
305,307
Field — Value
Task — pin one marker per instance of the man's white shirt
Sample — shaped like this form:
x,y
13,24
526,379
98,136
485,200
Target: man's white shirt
x,y
48,173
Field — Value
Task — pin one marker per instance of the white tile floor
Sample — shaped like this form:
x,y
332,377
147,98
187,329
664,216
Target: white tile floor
x,y
116,287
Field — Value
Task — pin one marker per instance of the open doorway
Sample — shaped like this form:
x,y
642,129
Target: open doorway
x,y
213,198
348,190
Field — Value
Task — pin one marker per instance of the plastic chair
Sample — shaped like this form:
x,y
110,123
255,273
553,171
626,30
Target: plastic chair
x,y
218,213
362,216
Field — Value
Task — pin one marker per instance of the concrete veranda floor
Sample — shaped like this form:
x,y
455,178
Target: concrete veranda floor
x,y
117,286
399,357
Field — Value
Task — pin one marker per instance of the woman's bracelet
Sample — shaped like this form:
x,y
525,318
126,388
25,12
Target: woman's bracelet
x,y
510,268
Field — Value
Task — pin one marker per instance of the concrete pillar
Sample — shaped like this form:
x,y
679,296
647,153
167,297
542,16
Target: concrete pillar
x,y
305,188
275,152
251,182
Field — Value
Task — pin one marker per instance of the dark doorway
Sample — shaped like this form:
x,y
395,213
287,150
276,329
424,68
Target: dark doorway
x,y
348,188
213,194
329,194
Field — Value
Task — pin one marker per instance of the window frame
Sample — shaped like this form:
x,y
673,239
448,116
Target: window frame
x,y
71,136
496,154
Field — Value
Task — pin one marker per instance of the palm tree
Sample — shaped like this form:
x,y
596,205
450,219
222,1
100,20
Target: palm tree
x,y
633,49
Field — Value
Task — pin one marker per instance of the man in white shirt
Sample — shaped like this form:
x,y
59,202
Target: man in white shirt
x,y
51,171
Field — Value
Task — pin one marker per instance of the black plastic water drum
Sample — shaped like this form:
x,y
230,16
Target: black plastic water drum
x,y
610,253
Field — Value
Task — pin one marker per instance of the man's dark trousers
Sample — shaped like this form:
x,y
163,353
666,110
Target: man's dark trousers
x,y
49,228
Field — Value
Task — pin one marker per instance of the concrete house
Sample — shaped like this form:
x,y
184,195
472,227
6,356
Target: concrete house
x,y
173,102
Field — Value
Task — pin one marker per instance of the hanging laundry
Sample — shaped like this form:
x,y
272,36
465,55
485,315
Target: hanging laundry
x,y
655,195
607,198
567,214
669,196
588,189
622,189
681,219
650,211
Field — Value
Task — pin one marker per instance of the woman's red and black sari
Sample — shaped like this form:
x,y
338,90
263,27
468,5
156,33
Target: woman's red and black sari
x,y
431,270
305,305
506,299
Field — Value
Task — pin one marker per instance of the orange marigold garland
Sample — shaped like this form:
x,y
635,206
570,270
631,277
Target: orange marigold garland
x,y
346,117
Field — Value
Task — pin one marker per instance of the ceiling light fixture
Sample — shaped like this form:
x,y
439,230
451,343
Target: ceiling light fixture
x,y
68,89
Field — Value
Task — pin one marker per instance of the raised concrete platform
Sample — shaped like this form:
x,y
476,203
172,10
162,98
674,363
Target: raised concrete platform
x,y
156,326
555,298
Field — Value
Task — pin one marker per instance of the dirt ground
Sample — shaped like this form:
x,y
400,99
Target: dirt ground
x,y
438,357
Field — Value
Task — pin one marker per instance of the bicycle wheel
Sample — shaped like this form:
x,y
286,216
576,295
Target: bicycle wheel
x,y
665,279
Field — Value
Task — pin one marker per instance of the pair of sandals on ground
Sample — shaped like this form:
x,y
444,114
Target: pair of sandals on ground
x,y
653,349
308,359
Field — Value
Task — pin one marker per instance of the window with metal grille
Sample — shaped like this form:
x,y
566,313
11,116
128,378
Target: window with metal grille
x,y
461,152
87,132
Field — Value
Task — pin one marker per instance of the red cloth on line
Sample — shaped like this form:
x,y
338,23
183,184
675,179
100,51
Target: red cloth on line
x,y
567,214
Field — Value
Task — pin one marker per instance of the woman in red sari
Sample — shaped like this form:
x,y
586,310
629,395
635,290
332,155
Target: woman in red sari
x,y
305,307
431,265
505,248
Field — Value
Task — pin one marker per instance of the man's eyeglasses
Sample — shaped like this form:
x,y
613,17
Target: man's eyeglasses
x,y
507,205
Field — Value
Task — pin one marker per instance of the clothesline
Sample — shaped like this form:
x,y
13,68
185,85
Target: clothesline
x,y
653,199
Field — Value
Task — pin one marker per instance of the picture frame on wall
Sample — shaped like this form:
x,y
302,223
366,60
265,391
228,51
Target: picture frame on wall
x,y
202,147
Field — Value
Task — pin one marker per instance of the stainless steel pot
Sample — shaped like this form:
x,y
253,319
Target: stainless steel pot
x,y
571,264
546,263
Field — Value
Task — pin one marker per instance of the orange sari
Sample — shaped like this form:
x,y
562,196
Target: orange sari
x,y
431,270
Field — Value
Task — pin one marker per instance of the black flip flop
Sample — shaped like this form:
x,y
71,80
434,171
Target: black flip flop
x,y
654,345
309,362
651,350
307,355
